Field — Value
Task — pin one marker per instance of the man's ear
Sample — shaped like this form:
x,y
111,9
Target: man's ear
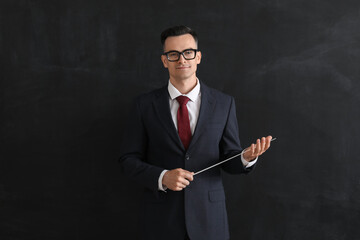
x,y
164,61
198,57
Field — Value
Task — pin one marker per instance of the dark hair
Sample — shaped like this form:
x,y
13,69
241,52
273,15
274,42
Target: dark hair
x,y
177,31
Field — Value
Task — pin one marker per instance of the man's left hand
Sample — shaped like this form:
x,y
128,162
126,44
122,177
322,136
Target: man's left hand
x,y
255,150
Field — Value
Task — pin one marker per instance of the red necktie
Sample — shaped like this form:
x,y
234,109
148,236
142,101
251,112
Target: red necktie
x,y
183,122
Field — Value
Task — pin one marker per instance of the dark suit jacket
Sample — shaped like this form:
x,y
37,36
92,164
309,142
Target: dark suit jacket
x,y
152,144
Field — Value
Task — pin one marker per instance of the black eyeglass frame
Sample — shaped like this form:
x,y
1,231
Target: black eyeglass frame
x,y
182,53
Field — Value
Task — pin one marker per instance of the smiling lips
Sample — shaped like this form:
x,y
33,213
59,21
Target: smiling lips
x,y
182,67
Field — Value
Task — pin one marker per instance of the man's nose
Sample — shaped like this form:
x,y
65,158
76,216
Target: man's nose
x,y
181,58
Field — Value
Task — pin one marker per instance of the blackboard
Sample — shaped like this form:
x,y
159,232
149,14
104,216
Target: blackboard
x,y
70,69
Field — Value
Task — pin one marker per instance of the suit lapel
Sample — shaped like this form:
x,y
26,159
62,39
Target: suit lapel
x,y
206,109
162,108
161,105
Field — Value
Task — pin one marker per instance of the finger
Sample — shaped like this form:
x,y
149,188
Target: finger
x,y
258,147
175,187
252,150
188,175
263,142
268,141
185,182
180,185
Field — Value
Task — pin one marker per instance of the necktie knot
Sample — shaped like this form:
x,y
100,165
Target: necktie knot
x,y
183,100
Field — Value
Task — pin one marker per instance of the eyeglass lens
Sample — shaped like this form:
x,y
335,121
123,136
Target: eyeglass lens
x,y
175,56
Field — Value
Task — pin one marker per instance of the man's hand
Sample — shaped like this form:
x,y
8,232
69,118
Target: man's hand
x,y
177,179
257,149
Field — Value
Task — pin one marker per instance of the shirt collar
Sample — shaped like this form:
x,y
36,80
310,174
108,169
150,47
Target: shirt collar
x,y
192,95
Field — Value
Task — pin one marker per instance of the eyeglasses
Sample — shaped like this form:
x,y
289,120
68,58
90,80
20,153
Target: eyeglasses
x,y
174,56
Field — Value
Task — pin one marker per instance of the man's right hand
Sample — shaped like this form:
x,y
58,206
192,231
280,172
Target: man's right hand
x,y
177,179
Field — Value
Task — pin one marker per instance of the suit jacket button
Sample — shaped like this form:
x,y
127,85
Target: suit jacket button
x,y
187,157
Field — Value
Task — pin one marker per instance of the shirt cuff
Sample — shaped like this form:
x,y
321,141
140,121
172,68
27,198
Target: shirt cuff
x,y
160,185
246,163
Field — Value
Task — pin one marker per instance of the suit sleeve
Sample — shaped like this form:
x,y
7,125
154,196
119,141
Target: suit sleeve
x,y
230,144
133,152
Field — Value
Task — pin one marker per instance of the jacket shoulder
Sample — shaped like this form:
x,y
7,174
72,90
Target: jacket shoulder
x,y
218,95
148,97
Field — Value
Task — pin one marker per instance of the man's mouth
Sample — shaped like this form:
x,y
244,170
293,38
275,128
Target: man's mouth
x,y
182,67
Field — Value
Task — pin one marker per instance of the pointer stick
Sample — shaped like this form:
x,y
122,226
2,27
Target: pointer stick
x,y
228,159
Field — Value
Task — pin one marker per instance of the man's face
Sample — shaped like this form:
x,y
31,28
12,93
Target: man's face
x,y
182,69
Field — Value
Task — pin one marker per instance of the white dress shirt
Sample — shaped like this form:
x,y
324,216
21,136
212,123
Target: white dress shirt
x,y
193,106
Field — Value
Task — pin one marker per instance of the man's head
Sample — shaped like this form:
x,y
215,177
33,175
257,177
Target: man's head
x,y
178,31
181,55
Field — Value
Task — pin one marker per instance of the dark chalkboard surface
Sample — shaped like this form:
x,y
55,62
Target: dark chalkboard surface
x,y
69,70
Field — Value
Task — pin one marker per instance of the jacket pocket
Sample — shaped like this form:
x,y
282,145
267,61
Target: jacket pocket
x,y
217,195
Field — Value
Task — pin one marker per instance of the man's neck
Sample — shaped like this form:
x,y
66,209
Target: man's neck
x,y
184,86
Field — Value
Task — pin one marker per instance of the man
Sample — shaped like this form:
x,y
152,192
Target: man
x,y
175,131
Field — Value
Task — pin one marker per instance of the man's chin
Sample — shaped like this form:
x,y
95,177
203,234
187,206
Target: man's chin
x,y
184,78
